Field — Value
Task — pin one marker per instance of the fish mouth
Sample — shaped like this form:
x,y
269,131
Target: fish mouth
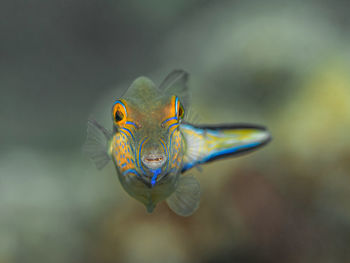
x,y
153,161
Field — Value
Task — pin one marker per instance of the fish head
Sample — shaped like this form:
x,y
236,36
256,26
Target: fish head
x,y
147,120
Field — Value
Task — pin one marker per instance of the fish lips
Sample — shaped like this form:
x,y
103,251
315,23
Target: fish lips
x,y
154,161
155,169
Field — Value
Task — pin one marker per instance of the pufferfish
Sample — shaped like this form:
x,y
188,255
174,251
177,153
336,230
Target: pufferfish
x,y
152,144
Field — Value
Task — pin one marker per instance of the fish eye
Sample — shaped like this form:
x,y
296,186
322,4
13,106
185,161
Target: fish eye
x,y
119,112
179,108
175,112
181,111
118,116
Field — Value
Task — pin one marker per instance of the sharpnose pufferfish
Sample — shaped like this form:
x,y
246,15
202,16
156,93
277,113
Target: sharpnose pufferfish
x,y
152,144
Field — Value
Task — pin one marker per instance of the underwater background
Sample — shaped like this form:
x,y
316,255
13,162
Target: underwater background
x,y
282,64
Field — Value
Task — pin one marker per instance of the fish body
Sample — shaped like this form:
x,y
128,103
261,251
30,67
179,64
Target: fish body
x,y
152,145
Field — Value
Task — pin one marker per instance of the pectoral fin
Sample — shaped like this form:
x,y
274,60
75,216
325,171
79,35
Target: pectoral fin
x,y
96,143
208,143
185,200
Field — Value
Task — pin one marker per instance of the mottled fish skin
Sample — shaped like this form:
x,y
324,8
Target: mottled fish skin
x,y
152,145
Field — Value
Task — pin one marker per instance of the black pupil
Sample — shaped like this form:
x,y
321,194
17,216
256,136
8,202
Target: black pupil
x,y
118,116
181,112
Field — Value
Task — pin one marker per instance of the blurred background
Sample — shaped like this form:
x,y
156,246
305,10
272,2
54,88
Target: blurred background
x,y
283,64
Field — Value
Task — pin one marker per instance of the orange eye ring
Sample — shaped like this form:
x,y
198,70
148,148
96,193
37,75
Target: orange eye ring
x,y
119,113
174,113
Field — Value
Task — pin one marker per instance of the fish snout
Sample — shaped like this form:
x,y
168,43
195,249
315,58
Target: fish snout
x,y
153,160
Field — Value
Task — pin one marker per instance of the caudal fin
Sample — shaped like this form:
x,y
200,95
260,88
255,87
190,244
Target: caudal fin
x,y
207,143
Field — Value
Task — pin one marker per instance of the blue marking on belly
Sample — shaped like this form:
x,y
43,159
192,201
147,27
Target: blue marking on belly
x,y
155,172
